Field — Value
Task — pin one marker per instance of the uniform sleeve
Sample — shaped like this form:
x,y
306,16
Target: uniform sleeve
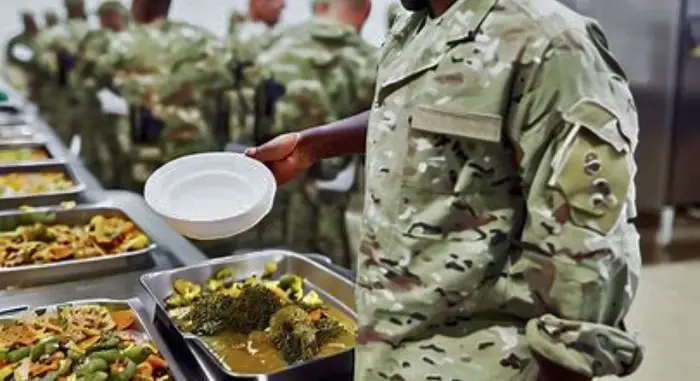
x,y
574,131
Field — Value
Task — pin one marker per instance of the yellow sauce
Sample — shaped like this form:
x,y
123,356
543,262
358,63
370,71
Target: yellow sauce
x,y
254,354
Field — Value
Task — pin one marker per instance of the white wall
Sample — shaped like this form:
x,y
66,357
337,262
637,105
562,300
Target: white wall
x,y
212,14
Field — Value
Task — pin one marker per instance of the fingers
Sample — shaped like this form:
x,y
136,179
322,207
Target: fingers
x,y
274,150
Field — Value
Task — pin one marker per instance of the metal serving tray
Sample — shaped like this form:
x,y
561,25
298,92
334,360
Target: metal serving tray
x,y
333,288
17,133
43,274
9,146
42,199
142,325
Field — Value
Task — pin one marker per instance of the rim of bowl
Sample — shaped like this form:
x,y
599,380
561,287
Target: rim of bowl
x,y
150,194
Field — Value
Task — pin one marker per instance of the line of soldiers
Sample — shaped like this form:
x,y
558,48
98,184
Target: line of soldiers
x,y
141,94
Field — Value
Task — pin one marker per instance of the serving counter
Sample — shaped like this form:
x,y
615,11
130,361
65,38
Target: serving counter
x,y
122,278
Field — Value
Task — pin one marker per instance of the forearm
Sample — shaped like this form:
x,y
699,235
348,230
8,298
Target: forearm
x,y
341,138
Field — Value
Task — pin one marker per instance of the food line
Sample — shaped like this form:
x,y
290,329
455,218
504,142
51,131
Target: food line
x,y
139,279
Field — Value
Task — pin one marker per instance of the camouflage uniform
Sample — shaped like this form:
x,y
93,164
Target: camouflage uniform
x,y
92,74
157,67
499,199
58,48
19,63
328,72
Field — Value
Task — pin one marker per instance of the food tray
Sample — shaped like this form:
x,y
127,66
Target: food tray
x,y
9,146
35,275
41,199
17,133
333,288
142,325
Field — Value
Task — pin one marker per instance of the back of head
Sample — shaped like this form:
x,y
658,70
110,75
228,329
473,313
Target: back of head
x,y
113,15
266,11
75,9
350,12
50,18
28,22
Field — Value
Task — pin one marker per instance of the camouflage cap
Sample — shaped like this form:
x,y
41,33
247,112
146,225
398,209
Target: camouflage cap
x,y
111,6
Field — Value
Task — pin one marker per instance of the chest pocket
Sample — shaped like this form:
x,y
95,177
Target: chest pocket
x,y
455,124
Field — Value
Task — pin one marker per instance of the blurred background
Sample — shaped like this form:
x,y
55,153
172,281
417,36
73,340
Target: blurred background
x,y
658,44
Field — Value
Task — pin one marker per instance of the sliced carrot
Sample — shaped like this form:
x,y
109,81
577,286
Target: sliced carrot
x,y
3,363
145,369
124,319
315,315
87,343
157,362
41,369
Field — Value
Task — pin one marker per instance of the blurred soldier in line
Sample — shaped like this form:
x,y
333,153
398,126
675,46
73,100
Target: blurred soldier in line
x,y
94,120
317,72
152,72
58,47
252,33
20,53
50,19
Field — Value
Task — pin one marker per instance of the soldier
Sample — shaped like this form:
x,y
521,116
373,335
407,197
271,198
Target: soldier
x,y
58,47
252,33
50,19
91,78
20,53
162,71
325,71
498,237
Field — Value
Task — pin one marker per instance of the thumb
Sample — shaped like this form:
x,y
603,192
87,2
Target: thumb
x,y
276,149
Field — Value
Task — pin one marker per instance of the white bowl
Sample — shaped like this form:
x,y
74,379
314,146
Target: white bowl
x,y
211,195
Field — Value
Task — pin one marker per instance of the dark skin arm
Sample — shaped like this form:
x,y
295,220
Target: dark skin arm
x,y
291,154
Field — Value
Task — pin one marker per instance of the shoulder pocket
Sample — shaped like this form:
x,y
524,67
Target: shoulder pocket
x,y
593,169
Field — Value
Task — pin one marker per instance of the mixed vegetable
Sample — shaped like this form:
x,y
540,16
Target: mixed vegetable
x,y
296,322
78,343
45,242
23,154
24,183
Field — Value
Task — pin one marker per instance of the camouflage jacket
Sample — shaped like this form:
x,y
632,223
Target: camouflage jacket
x,y
499,196
247,38
58,40
20,55
327,70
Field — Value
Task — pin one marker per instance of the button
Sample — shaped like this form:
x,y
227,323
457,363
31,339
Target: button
x,y
602,187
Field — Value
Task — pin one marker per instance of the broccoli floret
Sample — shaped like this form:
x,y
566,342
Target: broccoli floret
x,y
255,306
293,334
211,314
328,329
174,301
312,300
270,269
293,285
190,291
223,274
214,284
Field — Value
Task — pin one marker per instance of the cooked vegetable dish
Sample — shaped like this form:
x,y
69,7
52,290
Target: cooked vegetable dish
x,y
78,343
45,243
18,184
23,154
260,325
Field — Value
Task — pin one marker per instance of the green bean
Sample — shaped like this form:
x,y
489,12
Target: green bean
x,y
97,376
110,343
43,347
137,354
94,365
127,373
110,355
3,354
65,367
18,354
74,354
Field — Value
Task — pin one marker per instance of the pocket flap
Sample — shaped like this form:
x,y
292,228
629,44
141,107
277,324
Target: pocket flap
x,y
484,127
